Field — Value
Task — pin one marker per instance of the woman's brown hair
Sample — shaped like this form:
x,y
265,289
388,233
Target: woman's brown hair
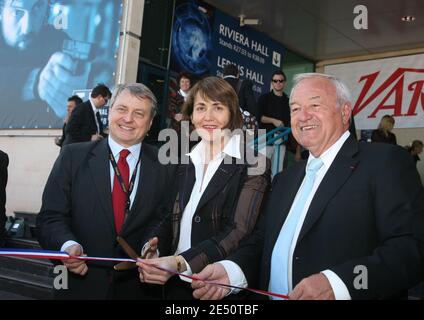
x,y
215,89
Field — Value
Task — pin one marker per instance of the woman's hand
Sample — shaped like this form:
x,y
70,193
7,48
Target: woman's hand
x,y
150,274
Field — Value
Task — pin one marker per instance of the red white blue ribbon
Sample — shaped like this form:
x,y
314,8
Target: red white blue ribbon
x,y
54,255
61,255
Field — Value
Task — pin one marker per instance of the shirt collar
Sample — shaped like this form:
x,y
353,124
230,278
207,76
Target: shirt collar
x,y
93,106
232,149
183,94
330,154
116,148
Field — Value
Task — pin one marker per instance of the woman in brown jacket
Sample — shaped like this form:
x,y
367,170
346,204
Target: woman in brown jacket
x,y
217,196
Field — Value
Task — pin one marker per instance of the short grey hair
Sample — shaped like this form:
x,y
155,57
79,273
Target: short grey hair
x,y
342,91
138,90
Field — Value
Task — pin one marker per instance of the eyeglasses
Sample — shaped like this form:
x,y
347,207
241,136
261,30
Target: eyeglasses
x,y
278,80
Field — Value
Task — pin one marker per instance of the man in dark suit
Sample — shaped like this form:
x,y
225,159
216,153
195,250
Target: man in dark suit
x,y
358,231
85,123
4,162
85,204
72,102
243,88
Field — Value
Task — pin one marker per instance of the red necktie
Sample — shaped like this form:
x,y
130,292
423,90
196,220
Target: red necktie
x,y
119,197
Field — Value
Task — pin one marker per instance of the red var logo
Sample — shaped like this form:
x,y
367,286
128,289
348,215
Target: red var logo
x,y
395,95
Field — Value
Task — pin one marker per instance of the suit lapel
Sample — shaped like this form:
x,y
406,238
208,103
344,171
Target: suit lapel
x,y
186,181
100,171
92,116
219,180
340,170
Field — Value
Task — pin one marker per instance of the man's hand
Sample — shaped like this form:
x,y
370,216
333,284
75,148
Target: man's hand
x,y
57,82
315,287
277,123
151,274
214,273
74,265
96,136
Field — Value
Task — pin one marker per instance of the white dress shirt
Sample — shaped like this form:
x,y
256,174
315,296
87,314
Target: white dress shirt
x,y
183,94
340,290
197,155
132,160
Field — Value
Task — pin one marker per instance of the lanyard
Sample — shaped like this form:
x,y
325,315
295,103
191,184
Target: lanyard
x,y
121,181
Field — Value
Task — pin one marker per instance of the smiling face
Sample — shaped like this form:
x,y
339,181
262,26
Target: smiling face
x,y
316,119
22,21
185,84
209,118
130,118
278,83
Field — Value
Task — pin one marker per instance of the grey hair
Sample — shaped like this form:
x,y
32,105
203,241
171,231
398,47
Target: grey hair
x,y
138,90
342,91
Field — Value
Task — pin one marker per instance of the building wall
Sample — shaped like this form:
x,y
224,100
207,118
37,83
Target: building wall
x,y
31,156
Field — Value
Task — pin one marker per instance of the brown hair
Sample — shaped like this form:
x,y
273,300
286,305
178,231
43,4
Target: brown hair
x,y
215,89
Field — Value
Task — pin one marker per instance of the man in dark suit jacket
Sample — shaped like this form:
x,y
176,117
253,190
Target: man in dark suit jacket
x,y
361,233
84,123
72,102
243,88
4,162
78,215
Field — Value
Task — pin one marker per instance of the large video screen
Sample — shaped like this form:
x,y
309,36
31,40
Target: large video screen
x,y
50,49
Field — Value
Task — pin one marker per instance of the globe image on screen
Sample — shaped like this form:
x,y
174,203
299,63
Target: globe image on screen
x,y
191,39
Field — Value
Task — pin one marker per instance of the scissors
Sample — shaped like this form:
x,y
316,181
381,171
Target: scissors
x,y
126,265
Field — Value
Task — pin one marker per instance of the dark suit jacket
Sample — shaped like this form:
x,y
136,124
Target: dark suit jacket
x,y
77,205
368,210
4,162
63,137
244,90
81,125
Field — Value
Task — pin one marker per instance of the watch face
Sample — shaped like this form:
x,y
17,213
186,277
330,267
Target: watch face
x,y
191,39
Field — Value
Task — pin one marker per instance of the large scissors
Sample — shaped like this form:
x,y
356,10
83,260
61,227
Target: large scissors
x,y
126,265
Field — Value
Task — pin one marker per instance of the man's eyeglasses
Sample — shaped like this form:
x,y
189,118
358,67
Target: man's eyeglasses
x,y
278,80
